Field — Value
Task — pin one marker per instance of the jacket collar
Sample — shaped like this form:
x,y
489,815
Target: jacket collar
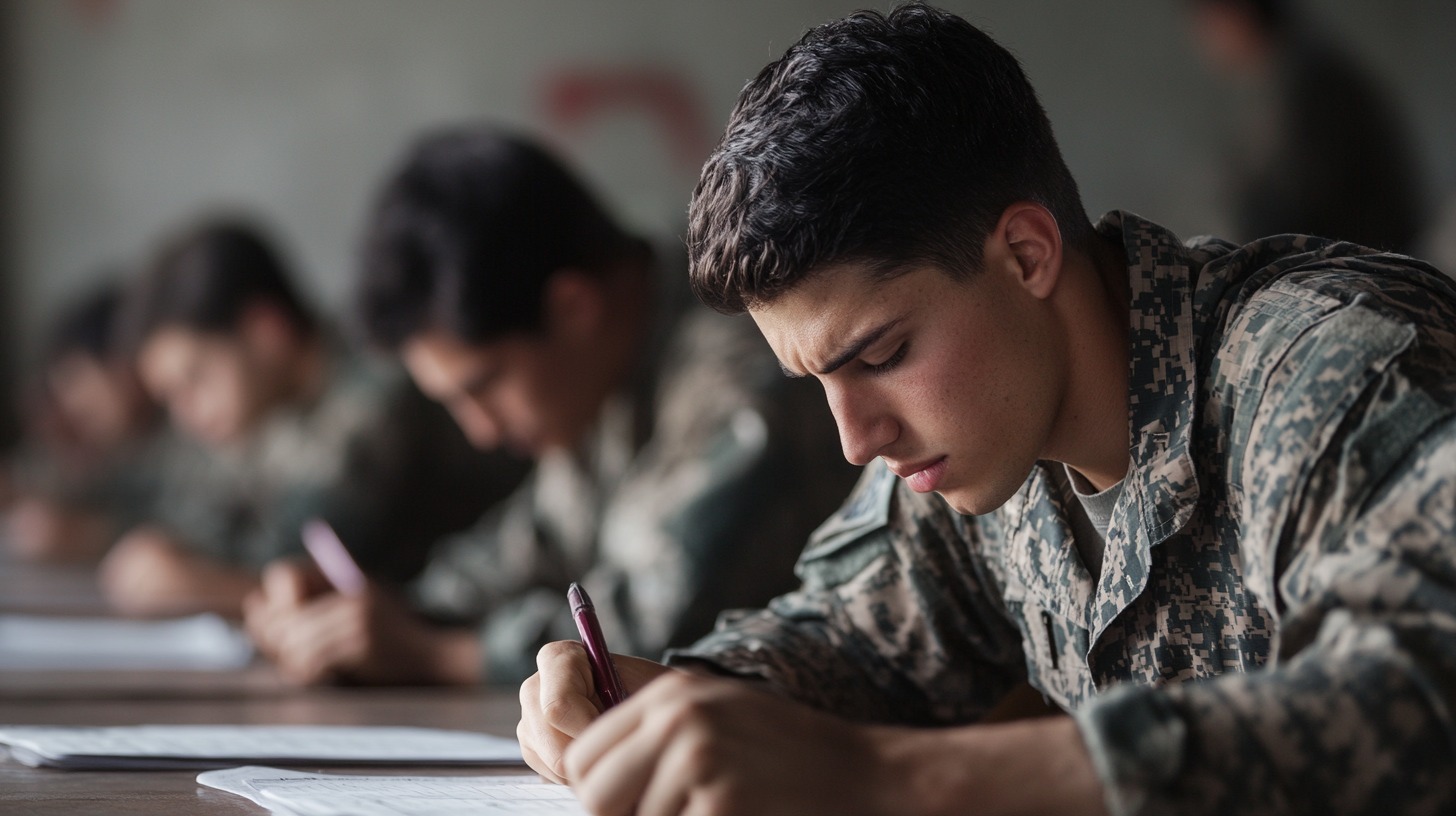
x,y
1161,490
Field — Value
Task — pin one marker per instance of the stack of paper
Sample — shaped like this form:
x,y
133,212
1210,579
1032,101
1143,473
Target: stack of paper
x,y
293,793
110,644
216,746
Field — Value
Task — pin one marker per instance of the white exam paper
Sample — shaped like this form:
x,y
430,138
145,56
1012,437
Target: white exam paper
x,y
304,794
191,746
200,642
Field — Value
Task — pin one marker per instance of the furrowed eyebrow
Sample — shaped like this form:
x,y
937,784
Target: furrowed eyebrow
x,y
851,351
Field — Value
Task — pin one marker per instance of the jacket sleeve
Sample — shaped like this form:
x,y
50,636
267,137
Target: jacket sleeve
x,y
895,620
1354,713
497,576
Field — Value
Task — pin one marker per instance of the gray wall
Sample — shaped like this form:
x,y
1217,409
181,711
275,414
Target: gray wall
x,y
130,115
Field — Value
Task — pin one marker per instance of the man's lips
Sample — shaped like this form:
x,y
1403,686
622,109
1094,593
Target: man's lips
x,y
922,477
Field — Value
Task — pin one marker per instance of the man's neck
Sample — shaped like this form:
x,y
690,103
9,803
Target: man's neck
x,y
307,372
620,350
1093,434
636,305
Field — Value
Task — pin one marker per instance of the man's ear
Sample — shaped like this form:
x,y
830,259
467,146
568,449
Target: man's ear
x,y
1029,233
575,304
264,328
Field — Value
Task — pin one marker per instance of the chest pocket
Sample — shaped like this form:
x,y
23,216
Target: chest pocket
x,y
1047,593
1054,648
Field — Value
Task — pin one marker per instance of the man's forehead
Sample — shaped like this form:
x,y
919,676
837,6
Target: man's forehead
x,y
170,345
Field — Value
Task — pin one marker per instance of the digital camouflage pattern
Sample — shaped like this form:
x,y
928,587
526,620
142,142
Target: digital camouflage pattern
x,y
693,493
387,468
1274,626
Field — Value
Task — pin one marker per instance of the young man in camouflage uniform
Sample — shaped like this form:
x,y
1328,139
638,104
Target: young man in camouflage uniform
x,y
288,425
1201,497
675,468
94,447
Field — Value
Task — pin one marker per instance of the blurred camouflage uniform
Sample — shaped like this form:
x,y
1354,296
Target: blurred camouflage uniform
x,y
387,468
1273,629
692,494
119,486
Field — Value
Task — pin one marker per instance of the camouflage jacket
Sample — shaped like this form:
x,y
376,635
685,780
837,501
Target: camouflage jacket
x,y
692,494
1274,626
385,466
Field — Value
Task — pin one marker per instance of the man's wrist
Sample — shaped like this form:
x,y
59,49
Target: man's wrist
x,y
1036,766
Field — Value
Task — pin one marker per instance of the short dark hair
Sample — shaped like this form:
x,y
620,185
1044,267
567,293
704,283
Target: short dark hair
x,y
466,232
87,326
205,277
882,140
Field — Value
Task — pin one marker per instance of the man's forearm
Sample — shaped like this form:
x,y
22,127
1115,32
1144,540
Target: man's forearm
x,y
1026,767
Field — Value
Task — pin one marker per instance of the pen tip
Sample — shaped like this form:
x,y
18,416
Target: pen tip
x,y
577,597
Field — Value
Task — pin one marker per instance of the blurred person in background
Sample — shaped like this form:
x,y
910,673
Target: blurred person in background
x,y
290,425
1439,244
1325,150
676,469
95,443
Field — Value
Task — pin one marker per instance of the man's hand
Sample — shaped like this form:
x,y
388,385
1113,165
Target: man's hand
x,y
372,637
692,744
45,531
287,585
148,573
685,744
559,701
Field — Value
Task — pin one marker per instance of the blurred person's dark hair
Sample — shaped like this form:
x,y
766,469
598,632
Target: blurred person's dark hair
x,y
466,232
88,326
206,277
826,159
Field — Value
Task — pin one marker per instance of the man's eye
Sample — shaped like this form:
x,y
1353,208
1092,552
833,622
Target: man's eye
x,y
894,360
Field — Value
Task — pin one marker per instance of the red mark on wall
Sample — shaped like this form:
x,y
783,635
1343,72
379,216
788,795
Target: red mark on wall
x,y
576,97
95,13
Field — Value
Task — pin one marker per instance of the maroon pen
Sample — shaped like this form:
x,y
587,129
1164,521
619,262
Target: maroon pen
x,y
604,671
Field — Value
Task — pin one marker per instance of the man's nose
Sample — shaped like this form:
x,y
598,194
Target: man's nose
x,y
865,428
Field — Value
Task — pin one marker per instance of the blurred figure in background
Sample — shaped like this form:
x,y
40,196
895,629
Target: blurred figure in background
x,y
1439,245
677,470
290,426
95,444
1326,151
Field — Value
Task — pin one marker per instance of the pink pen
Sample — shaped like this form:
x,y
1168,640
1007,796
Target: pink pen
x,y
604,671
333,557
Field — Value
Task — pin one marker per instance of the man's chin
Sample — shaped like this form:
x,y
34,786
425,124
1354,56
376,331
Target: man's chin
x,y
526,448
971,502
958,502
221,438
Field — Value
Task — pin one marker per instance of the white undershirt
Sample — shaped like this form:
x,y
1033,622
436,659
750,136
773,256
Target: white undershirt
x,y
1089,528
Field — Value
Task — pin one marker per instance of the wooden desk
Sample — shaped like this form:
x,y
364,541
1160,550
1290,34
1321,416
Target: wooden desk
x,y
253,696
46,792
